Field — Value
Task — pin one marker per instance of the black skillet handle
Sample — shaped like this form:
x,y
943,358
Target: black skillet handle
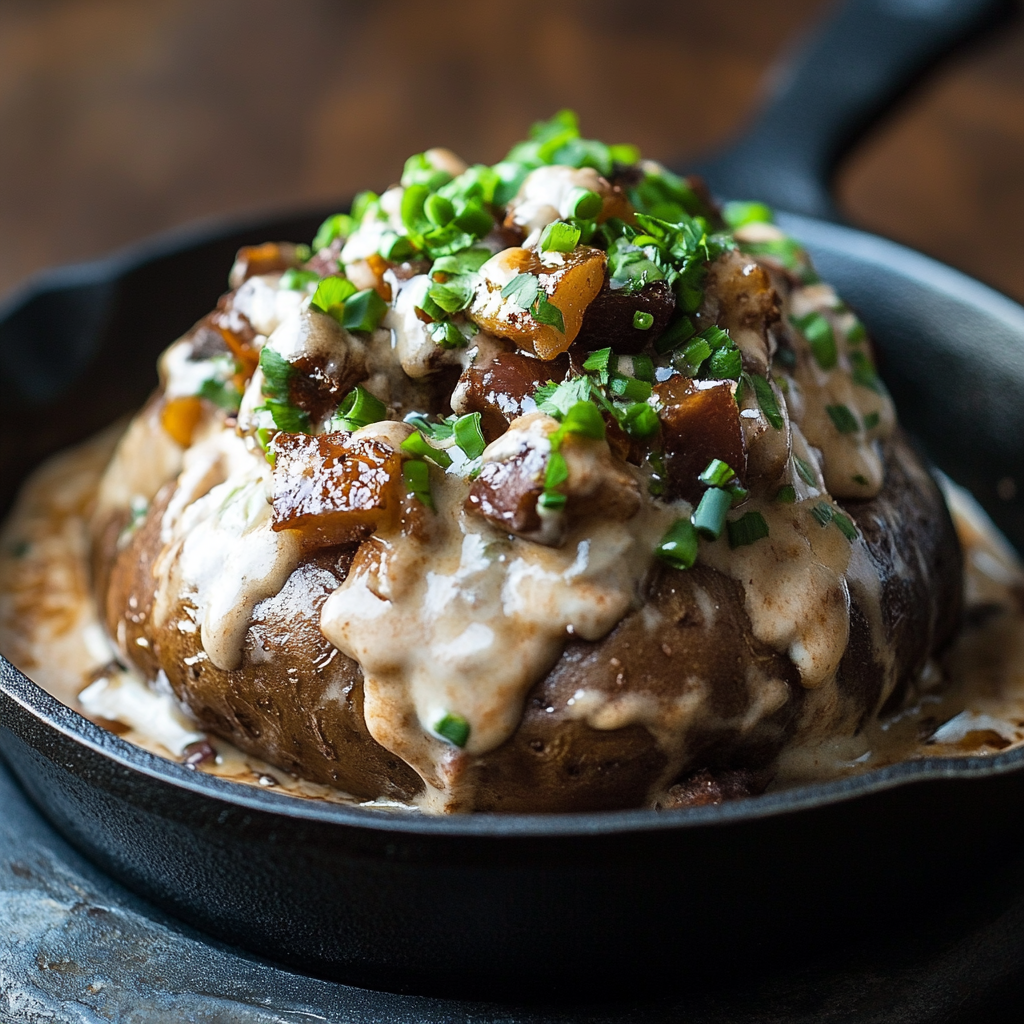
x,y
850,71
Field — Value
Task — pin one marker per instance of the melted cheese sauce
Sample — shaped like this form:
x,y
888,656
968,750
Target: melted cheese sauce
x,y
970,703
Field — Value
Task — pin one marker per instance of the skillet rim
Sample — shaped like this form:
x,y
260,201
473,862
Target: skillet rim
x,y
51,713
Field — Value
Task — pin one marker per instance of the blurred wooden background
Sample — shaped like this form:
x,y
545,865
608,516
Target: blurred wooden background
x,y
123,117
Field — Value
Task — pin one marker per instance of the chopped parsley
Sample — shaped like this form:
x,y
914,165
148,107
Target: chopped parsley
x,y
842,418
820,337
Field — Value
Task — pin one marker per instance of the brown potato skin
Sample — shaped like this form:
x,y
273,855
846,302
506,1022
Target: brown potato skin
x,y
555,761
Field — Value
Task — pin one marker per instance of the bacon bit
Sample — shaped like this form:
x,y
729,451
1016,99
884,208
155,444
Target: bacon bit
x,y
699,422
334,489
180,416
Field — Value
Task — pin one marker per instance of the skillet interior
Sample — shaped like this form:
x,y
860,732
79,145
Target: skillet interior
x,y
566,901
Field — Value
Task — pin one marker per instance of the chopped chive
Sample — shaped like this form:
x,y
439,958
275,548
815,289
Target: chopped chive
x,y
725,364
642,321
679,545
552,500
331,295
339,225
468,435
859,478
223,394
295,280
397,248
845,524
359,408
599,361
692,357
630,388
583,418
766,400
676,333
737,213
557,471
439,211
716,337
416,475
822,513
708,517
288,417
856,334
871,420
643,368
364,311
786,494
453,728
806,471
640,421
818,332
749,528
416,444
716,473
583,203
844,420
559,237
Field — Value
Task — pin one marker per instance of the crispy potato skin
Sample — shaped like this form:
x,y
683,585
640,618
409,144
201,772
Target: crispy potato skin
x,y
298,703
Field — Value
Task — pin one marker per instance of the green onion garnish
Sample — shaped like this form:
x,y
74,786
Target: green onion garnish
x,y
296,280
766,400
640,421
416,444
643,368
679,545
340,225
859,478
416,475
583,418
676,333
716,474
559,237
871,420
287,417
786,494
447,335
583,204
845,524
737,213
748,528
629,387
857,333
277,373
690,360
708,517
364,311
439,211
806,471
453,728
822,513
642,321
331,295
844,420
222,393
725,364
359,409
453,296
468,435
468,261
818,332
599,361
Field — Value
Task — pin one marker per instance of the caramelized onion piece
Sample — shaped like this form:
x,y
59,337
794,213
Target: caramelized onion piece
x,y
334,488
180,417
268,258
569,281
700,421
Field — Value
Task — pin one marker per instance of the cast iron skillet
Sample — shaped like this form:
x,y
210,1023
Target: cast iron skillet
x,y
562,903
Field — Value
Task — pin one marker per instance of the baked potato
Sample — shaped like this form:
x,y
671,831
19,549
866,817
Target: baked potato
x,y
542,487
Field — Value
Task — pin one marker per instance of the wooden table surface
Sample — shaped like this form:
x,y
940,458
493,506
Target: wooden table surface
x,y
119,118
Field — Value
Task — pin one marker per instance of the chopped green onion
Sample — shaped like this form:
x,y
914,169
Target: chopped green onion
x,y
692,357
362,204
856,334
643,368
552,500
716,337
339,225
583,203
264,435
766,400
716,474
642,321
749,528
559,237
331,295
823,513
453,728
806,471
416,444
556,473
640,421
439,211
521,290
222,393
629,387
679,545
599,361
468,261
845,524
708,517
288,417
416,475
871,420
736,214
557,399
859,478
296,280
818,332
844,420
468,435
786,494
674,335
359,408
420,171
364,311
863,372
396,248
474,220
583,418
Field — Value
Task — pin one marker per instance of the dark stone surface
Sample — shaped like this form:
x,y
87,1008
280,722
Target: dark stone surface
x,y
77,948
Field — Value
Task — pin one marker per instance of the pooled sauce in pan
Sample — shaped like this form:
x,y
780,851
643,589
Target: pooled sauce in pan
x,y
969,702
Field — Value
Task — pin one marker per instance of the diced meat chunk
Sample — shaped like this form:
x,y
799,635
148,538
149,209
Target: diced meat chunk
x,y
608,321
699,422
334,488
